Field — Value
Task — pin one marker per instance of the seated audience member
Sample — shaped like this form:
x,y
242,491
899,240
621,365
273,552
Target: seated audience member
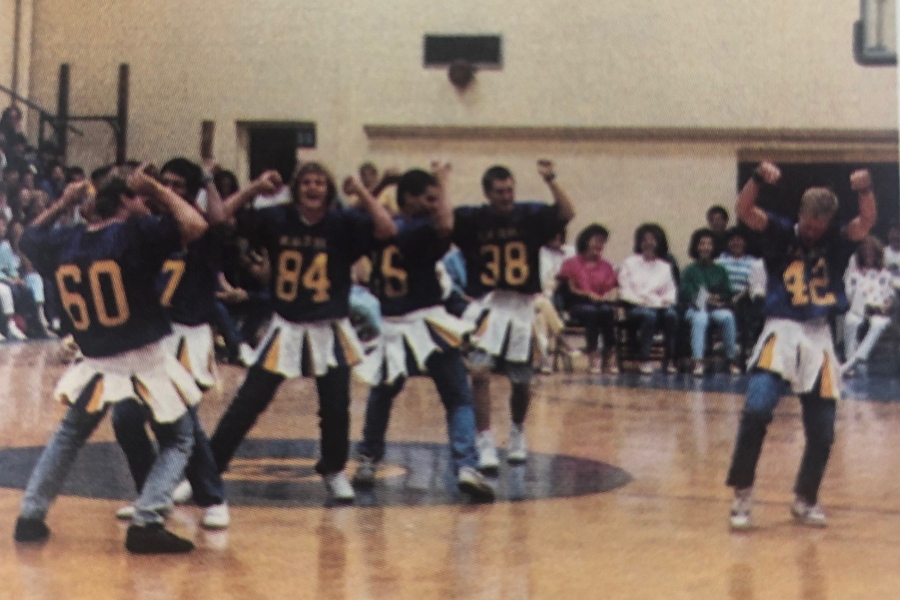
x,y
54,182
647,286
706,292
547,322
717,220
226,183
591,283
26,285
744,273
870,296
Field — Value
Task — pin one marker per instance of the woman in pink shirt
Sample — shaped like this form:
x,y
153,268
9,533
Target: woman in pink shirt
x,y
591,283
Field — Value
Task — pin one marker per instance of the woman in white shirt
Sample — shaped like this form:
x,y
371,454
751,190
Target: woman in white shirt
x,y
870,295
647,286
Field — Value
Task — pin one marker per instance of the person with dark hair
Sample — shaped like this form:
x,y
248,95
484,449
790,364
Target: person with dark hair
x,y
501,243
717,220
226,182
27,286
706,291
747,277
418,334
11,123
74,174
187,284
805,260
648,287
368,175
312,246
870,296
119,333
591,283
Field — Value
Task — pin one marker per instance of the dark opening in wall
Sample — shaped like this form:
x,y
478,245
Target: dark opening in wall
x,y
484,51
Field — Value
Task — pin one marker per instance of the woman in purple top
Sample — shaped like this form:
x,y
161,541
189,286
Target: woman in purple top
x,y
591,282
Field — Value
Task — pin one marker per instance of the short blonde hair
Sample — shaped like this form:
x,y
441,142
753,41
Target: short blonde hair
x,y
818,202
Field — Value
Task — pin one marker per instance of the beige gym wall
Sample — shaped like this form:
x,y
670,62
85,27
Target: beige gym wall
x,y
663,96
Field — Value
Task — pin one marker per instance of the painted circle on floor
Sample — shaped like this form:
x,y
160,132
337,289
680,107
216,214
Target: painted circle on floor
x,y
281,473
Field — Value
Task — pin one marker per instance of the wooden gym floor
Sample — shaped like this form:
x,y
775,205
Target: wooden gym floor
x,y
623,498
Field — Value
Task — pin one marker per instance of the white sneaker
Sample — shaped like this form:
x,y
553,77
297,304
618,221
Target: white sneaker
x,y
740,509
647,368
366,472
517,451
339,488
14,333
806,514
216,516
475,484
487,453
126,513
182,493
246,354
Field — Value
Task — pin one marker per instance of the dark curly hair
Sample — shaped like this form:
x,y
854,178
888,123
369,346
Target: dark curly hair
x,y
662,243
584,237
698,235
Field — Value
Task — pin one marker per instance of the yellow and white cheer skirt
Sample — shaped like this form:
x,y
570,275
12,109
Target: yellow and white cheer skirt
x,y
410,340
150,373
193,347
503,323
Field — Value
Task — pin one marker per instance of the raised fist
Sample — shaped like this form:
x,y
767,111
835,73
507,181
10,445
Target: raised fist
x,y
352,186
141,181
545,169
440,170
268,183
769,172
861,180
76,192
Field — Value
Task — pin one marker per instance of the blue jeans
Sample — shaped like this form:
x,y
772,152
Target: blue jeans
x,y
129,419
49,474
699,320
649,321
763,394
367,306
448,371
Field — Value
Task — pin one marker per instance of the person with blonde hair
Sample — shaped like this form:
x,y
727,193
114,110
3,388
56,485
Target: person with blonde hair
x,y
805,260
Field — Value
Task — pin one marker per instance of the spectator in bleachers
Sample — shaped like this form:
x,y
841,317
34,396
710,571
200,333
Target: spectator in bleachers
x,y
647,286
26,284
706,291
548,323
5,210
747,276
717,220
226,182
591,284
54,182
75,174
11,123
870,296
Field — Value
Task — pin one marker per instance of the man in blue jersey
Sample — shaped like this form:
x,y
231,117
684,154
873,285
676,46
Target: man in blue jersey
x,y
805,261
102,274
418,334
312,246
188,287
501,243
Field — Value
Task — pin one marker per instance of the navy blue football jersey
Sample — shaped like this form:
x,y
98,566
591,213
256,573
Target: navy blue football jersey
x,y
106,279
501,252
804,283
310,263
403,269
189,279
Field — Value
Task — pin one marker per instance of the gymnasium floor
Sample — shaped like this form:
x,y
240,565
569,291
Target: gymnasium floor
x,y
623,498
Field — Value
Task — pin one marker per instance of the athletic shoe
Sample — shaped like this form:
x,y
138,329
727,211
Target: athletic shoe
x,y
14,333
182,493
698,369
646,368
216,516
155,539
611,367
487,453
517,450
475,484
31,530
806,514
246,355
126,513
735,369
740,509
365,472
339,488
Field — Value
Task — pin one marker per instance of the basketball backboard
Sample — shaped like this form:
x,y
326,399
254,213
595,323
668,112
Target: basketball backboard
x,y
875,34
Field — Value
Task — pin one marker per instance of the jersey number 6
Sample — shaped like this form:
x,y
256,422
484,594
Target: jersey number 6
x,y
75,304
